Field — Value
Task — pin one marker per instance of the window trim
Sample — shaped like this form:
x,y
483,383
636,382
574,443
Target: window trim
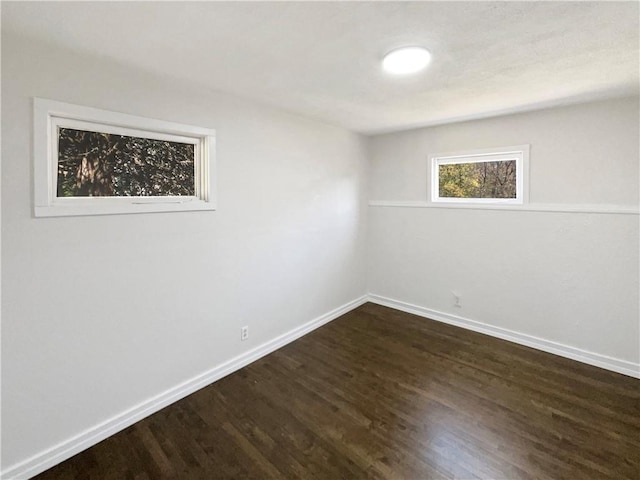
x,y
519,153
49,115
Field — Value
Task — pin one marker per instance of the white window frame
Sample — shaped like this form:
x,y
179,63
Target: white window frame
x,y
519,153
50,115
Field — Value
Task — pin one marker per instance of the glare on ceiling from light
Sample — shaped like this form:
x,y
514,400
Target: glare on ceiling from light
x,y
406,60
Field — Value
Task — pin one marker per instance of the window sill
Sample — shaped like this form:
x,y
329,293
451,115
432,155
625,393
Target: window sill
x,y
530,207
122,208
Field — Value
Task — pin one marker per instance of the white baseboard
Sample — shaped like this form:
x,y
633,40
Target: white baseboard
x,y
614,364
66,449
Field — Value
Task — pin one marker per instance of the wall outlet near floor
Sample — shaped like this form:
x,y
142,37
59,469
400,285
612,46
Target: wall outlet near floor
x,y
244,333
456,299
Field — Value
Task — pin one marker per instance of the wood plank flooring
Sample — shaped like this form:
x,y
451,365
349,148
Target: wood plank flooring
x,y
383,394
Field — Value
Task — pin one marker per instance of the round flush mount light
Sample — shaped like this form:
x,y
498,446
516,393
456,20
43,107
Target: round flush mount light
x,y
402,61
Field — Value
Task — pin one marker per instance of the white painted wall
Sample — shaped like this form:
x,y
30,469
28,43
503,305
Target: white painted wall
x,y
570,278
581,154
102,313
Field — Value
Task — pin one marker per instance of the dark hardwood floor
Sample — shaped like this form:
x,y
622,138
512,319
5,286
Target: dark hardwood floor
x,y
379,393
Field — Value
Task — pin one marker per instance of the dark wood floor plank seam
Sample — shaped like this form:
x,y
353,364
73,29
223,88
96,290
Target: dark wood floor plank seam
x,y
631,417
448,406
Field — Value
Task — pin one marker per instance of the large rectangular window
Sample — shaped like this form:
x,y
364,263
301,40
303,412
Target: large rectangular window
x,y
482,176
91,162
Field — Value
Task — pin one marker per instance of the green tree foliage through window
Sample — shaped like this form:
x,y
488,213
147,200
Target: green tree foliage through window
x,y
478,180
95,164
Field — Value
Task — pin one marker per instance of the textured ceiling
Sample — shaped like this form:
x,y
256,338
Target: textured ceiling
x,y
323,59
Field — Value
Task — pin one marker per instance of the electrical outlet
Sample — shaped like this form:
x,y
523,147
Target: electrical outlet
x,y
456,300
244,333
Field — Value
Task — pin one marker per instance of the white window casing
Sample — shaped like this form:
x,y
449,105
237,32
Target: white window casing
x,y
50,116
519,153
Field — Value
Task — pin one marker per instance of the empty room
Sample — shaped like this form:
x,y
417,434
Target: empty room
x,y
320,240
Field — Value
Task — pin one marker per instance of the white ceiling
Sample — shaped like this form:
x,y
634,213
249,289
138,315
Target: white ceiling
x,y
322,59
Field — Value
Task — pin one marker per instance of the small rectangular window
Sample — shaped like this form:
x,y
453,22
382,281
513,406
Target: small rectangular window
x,y
90,162
486,176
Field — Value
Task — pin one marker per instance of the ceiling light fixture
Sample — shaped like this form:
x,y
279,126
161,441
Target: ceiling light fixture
x,y
406,60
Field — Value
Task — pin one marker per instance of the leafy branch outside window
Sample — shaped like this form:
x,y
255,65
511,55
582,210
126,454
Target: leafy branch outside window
x,y
96,164
478,180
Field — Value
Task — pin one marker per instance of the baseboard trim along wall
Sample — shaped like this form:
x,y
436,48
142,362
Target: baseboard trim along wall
x,y
614,364
66,449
